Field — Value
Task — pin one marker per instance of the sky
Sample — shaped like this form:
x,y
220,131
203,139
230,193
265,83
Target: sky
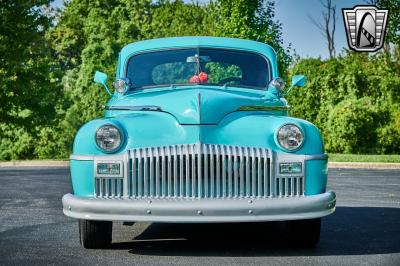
x,y
298,30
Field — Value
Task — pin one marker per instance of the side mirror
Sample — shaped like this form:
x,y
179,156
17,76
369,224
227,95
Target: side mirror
x,y
101,78
297,80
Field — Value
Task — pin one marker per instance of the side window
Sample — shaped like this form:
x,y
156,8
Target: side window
x,y
173,73
219,71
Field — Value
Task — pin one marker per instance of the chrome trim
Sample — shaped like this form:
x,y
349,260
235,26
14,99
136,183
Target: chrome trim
x,y
203,171
118,157
263,108
96,157
135,108
211,210
316,157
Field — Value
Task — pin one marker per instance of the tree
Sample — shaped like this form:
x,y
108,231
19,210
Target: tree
x,y
254,20
29,93
328,26
393,28
26,70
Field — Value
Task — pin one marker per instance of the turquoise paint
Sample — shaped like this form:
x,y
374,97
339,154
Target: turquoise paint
x,y
245,128
140,129
316,176
82,176
197,104
257,129
198,113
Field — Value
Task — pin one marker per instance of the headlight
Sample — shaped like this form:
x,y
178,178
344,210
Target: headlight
x,y
290,137
108,138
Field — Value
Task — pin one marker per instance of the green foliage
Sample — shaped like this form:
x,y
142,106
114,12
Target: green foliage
x,y
393,29
46,70
351,126
30,93
90,34
354,100
254,20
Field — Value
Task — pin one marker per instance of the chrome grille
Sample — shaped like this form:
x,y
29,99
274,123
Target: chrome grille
x,y
203,171
108,187
289,186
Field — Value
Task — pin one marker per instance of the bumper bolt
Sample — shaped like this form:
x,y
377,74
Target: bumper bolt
x,y
199,212
250,201
250,211
148,212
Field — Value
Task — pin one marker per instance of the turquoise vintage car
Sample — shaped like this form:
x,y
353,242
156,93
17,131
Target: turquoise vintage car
x,y
197,130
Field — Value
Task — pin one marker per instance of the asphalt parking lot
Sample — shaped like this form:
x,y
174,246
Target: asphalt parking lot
x,y
364,230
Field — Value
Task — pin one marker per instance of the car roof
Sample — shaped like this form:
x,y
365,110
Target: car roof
x,y
200,41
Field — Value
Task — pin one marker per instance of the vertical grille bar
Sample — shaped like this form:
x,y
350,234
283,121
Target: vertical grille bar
x,y
218,173
193,170
163,173
145,174
187,165
265,158
248,177
205,170
157,176
199,171
241,172
133,180
213,191
175,156
151,173
229,158
140,173
259,177
181,178
199,174
253,173
235,172
224,194
272,174
169,172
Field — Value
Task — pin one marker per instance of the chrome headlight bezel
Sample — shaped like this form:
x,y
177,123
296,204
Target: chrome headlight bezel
x,y
115,147
278,83
121,85
300,137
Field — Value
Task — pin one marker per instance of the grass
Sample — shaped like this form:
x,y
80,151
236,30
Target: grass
x,y
368,158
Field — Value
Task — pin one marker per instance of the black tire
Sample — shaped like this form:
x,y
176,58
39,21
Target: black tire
x,y
305,233
95,234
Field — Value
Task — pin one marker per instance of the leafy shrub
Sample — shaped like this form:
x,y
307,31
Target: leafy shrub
x,y
350,127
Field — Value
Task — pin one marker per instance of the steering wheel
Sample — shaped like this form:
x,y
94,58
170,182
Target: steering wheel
x,y
227,80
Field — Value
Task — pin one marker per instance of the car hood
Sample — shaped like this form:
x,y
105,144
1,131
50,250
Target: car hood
x,y
194,105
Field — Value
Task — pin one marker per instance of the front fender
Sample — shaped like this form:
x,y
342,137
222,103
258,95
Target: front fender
x,y
258,129
142,129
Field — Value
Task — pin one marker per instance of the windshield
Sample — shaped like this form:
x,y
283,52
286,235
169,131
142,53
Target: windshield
x,y
198,66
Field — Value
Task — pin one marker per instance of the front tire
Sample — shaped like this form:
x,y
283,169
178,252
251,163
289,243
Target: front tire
x,y
95,234
305,233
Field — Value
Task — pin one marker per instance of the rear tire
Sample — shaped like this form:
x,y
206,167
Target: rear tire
x,y
305,233
95,234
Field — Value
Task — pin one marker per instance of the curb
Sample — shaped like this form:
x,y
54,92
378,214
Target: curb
x,y
34,163
331,165
363,165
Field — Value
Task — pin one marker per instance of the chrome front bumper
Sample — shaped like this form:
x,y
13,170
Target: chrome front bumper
x,y
200,210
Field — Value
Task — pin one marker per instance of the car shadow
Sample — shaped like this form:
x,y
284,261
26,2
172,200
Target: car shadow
x,y
349,231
